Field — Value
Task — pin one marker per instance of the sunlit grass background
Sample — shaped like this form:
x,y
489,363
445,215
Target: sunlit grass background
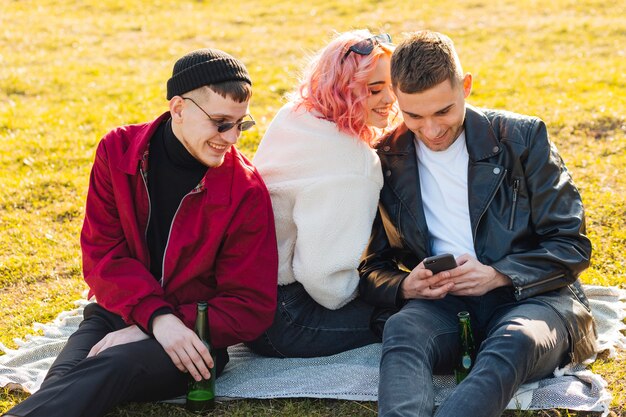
x,y
71,71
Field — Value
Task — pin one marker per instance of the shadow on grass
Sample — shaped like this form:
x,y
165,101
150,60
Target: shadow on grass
x,y
303,407
289,407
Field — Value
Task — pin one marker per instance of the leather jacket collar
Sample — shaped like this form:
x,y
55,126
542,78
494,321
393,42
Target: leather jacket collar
x,y
476,125
399,162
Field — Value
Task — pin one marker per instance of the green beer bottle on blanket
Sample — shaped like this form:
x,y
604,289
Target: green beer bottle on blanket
x,y
201,394
466,342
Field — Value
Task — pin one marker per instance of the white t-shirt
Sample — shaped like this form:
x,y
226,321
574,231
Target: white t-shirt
x,y
443,180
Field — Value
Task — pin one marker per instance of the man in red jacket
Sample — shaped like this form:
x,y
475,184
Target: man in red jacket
x,y
174,215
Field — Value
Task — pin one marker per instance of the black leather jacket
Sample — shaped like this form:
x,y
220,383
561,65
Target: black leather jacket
x,y
526,216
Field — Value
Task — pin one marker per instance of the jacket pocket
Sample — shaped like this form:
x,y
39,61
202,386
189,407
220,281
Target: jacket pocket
x,y
514,203
291,293
521,288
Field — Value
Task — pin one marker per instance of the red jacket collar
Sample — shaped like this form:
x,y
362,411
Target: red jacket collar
x,y
139,137
218,180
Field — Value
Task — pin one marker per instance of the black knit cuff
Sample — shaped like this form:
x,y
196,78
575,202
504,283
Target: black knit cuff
x,y
158,312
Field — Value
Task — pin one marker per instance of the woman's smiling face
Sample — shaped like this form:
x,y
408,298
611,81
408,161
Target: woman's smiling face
x,y
381,97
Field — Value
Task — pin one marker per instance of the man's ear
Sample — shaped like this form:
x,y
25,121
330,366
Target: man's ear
x,y
176,109
467,85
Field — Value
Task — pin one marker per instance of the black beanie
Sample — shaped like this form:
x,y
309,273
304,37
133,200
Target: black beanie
x,y
204,67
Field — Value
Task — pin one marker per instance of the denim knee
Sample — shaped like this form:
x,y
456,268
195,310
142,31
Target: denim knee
x,y
400,326
529,348
418,323
406,333
525,337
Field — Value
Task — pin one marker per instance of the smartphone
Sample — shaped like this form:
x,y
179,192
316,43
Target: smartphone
x,y
440,263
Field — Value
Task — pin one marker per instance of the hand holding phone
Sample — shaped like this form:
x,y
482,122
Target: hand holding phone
x,y
440,263
421,284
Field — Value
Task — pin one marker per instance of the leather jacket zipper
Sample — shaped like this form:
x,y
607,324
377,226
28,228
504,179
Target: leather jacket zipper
x,y
474,232
519,289
575,294
514,204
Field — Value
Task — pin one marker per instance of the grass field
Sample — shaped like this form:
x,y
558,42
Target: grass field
x,y
70,71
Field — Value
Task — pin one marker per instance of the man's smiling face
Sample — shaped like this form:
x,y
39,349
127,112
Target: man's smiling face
x,y
198,133
436,115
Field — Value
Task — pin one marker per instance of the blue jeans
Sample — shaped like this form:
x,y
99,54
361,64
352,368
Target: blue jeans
x,y
521,341
302,328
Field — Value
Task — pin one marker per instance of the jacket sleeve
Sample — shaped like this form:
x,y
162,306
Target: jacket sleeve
x,y
333,217
381,277
120,282
562,250
246,276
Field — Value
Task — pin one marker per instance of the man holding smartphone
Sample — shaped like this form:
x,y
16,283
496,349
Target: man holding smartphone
x,y
489,188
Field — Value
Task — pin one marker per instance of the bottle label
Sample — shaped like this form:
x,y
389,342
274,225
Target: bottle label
x,y
466,362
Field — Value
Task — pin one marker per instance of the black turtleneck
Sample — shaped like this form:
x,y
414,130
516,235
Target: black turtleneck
x,y
172,173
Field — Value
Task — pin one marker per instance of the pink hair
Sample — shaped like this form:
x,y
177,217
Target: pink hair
x,y
336,88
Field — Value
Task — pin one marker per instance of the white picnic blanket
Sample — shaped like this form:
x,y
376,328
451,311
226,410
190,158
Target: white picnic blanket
x,y
351,375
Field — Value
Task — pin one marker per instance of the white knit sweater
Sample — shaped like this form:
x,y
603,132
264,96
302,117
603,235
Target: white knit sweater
x,y
324,187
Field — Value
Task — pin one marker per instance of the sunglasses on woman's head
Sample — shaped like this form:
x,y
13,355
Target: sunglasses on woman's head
x,y
366,46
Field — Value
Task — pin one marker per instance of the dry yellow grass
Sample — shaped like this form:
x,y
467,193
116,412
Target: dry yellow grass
x,y
70,71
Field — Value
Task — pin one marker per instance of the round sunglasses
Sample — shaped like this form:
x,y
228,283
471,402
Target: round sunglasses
x,y
225,126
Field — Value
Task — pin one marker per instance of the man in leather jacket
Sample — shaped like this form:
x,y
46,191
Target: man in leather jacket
x,y
490,188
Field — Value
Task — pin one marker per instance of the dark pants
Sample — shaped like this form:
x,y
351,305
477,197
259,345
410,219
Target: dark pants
x,y
521,341
90,387
302,328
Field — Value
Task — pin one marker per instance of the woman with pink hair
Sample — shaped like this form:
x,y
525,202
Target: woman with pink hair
x,y
324,179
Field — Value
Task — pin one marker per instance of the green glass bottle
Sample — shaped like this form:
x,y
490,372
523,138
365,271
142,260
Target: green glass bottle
x,y
466,343
201,394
